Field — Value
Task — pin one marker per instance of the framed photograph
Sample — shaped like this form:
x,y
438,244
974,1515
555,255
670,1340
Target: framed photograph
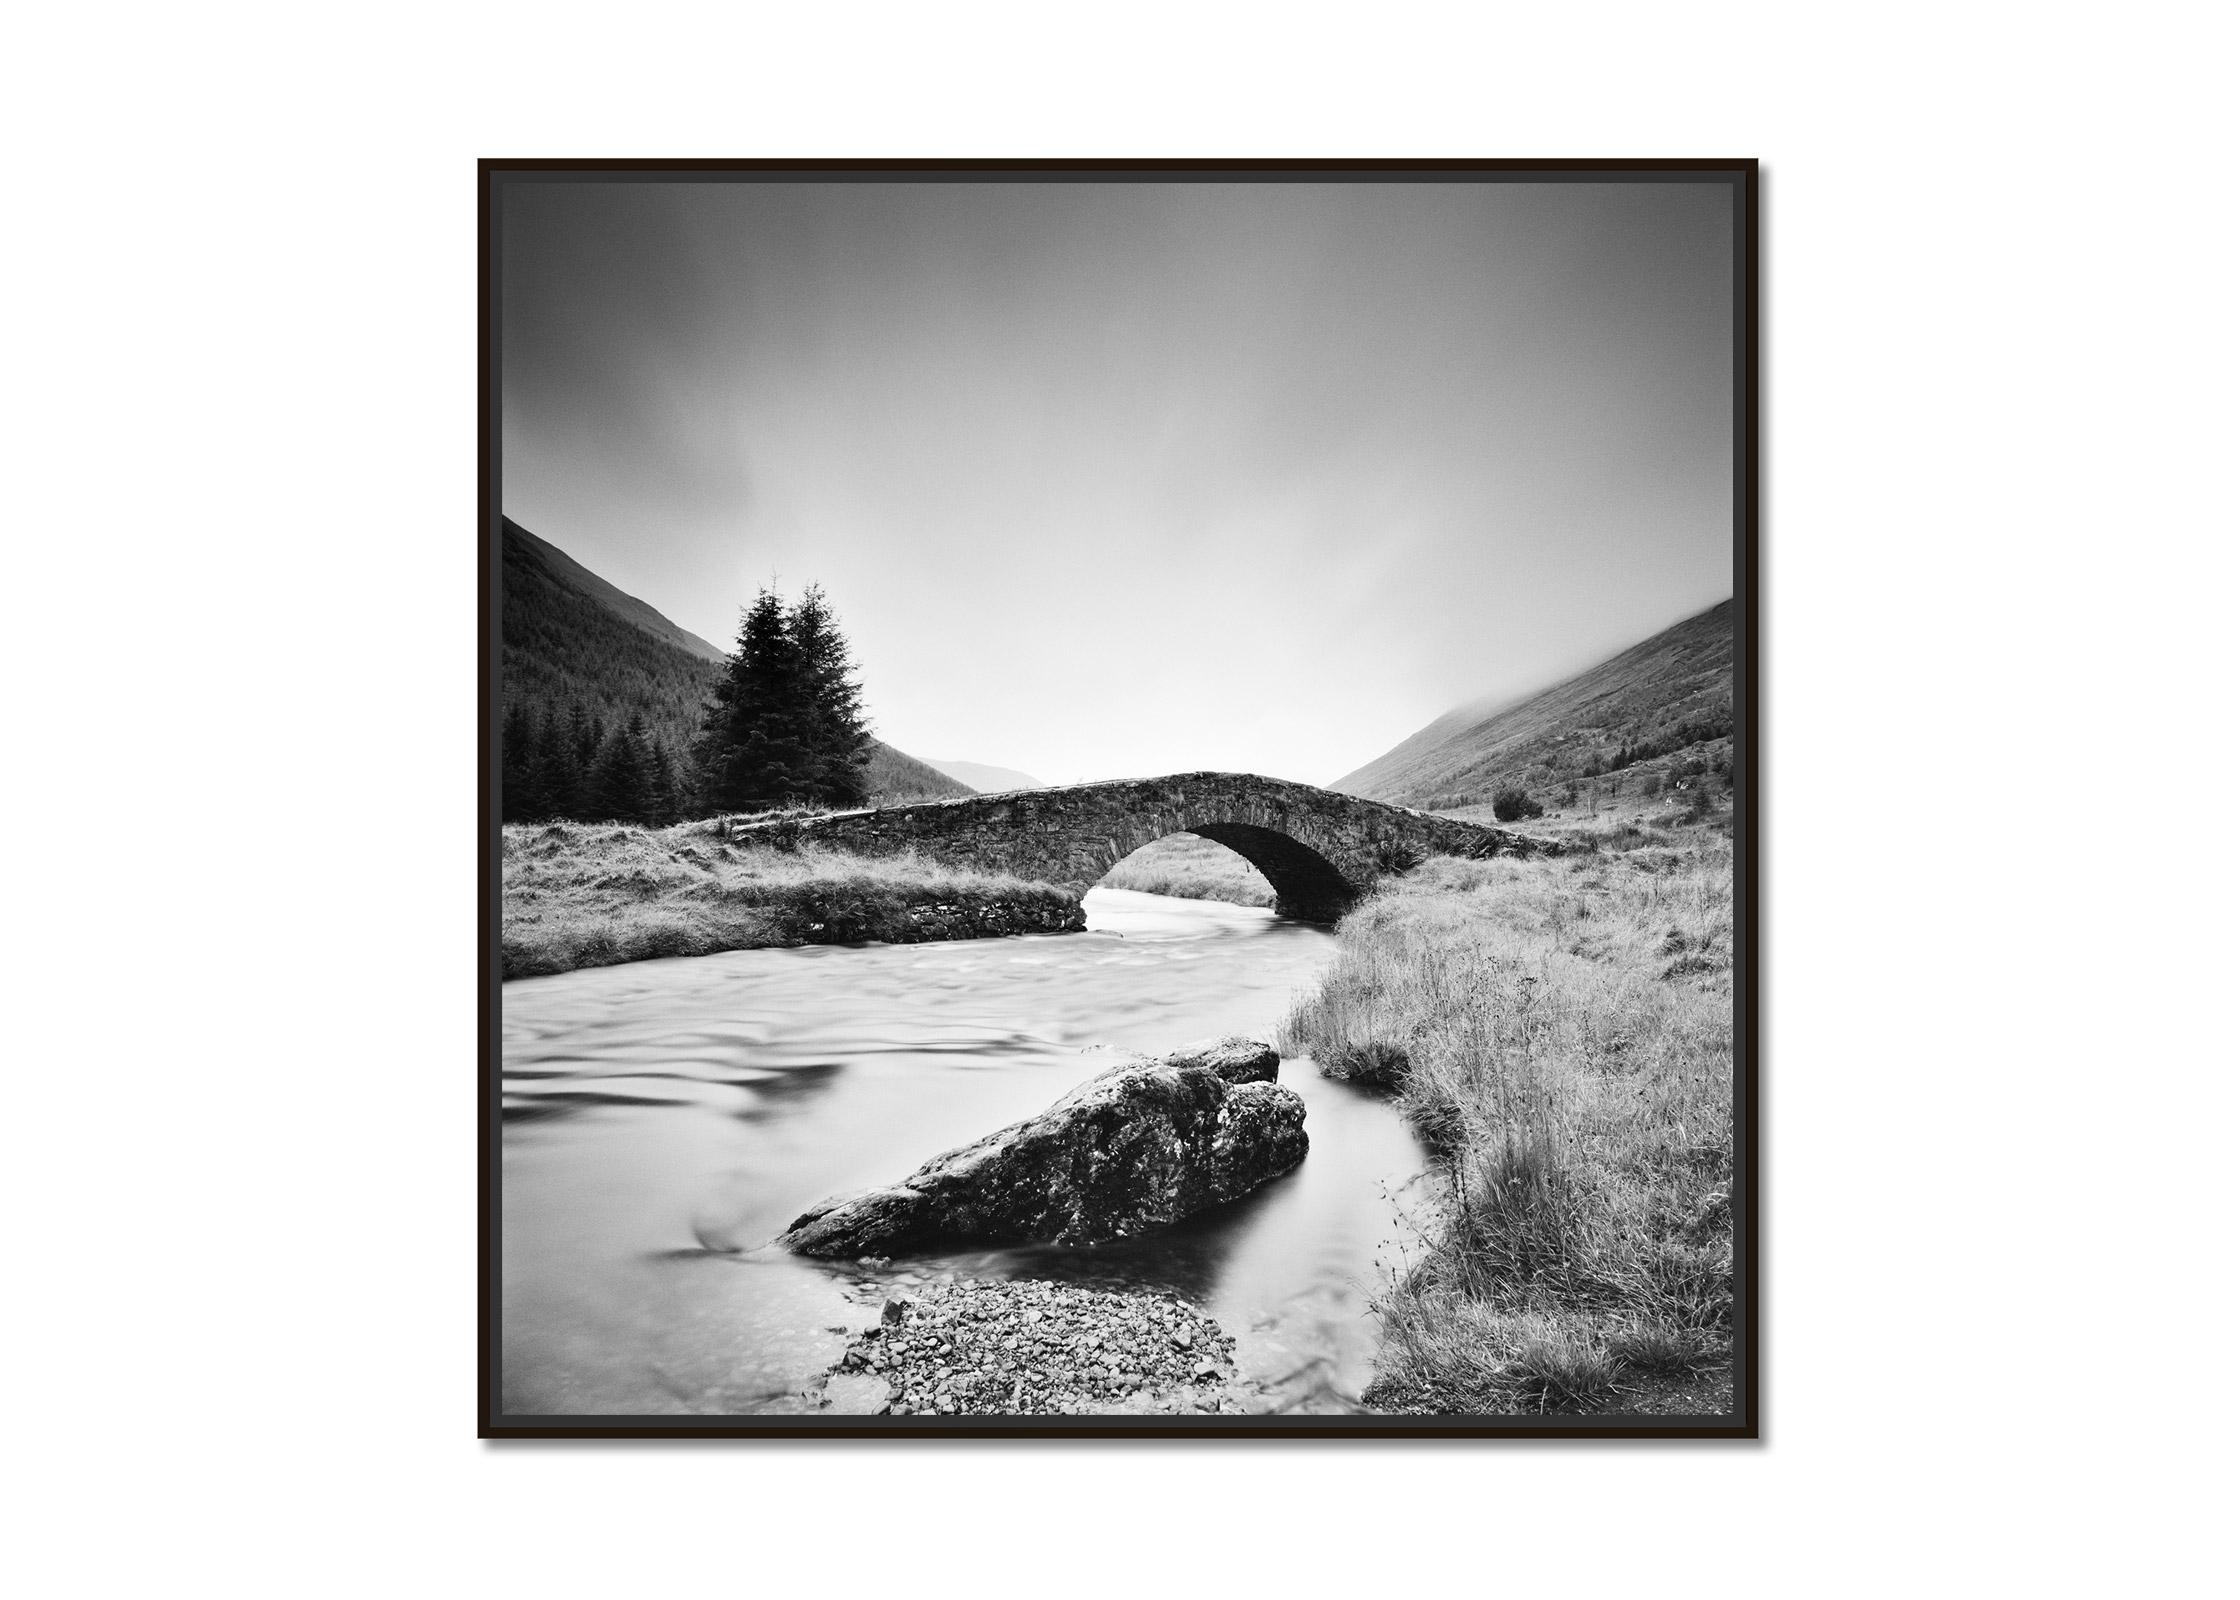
x,y
1119,798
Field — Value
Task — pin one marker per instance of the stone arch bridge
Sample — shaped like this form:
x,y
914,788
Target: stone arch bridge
x,y
1319,850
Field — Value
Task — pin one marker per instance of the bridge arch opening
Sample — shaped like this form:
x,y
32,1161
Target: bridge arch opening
x,y
1276,870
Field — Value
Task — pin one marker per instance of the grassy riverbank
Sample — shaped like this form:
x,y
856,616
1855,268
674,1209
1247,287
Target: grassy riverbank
x,y
597,894
1559,1030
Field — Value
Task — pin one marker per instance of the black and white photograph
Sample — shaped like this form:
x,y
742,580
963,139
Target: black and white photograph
x,y
1188,799
1120,799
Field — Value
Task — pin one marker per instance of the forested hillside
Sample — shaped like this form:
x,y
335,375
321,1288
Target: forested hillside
x,y
1665,706
568,643
582,662
897,777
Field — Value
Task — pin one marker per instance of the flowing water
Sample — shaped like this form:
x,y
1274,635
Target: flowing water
x,y
665,1119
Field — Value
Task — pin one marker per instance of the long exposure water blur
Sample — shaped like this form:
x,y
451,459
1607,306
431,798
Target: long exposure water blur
x,y
664,1120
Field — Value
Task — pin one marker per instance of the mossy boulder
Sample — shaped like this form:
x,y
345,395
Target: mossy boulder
x,y
1135,1148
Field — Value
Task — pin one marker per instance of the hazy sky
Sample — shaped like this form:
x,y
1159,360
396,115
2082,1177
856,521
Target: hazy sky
x,y
1121,479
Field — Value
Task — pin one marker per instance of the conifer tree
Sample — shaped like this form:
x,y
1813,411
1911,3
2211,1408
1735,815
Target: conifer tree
x,y
662,806
753,751
785,723
553,768
839,743
616,791
579,749
516,766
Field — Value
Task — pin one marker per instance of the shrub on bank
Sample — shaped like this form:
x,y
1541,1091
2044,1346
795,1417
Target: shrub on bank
x,y
1514,805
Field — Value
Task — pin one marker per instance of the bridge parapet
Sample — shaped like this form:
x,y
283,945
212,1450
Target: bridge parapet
x,y
1320,850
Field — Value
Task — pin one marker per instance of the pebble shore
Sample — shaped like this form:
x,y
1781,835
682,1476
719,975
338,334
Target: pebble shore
x,y
1024,1348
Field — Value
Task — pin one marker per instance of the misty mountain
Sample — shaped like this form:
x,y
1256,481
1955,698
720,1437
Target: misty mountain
x,y
986,779
1670,693
894,777
571,636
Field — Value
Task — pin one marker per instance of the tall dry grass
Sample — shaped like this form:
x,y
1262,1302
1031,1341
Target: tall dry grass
x,y
596,894
1559,1030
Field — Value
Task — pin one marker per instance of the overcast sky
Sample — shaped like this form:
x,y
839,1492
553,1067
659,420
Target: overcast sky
x,y
1120,479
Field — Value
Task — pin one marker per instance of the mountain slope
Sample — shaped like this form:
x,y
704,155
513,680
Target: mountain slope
x,y
1670,693
568,641
986,779
571,637
525,549
894,777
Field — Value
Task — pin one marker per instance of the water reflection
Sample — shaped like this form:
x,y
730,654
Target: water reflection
x,y
665,1120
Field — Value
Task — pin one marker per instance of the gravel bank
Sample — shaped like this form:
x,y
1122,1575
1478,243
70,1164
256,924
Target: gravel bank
x,y
974,1348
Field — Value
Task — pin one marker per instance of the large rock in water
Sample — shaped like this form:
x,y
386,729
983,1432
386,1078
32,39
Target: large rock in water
x,y
1133,1149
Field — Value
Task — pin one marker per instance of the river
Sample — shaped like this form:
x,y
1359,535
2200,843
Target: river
x,y
664,1120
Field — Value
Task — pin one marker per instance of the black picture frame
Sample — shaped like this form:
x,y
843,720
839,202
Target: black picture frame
x,y
1749,1201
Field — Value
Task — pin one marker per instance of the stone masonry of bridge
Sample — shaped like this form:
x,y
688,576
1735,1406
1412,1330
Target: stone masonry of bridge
x,y
1319,850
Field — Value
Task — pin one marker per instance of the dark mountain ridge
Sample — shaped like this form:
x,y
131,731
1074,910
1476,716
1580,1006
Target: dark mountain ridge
x,y
556,564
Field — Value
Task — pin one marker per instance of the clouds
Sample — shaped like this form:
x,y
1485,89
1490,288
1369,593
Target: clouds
x,y
1114,478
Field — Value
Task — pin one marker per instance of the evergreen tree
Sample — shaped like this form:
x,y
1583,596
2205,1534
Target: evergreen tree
x,y
753,750
785,723
581,740
640,743
662,806
616,791
553,769
839,743
517,757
